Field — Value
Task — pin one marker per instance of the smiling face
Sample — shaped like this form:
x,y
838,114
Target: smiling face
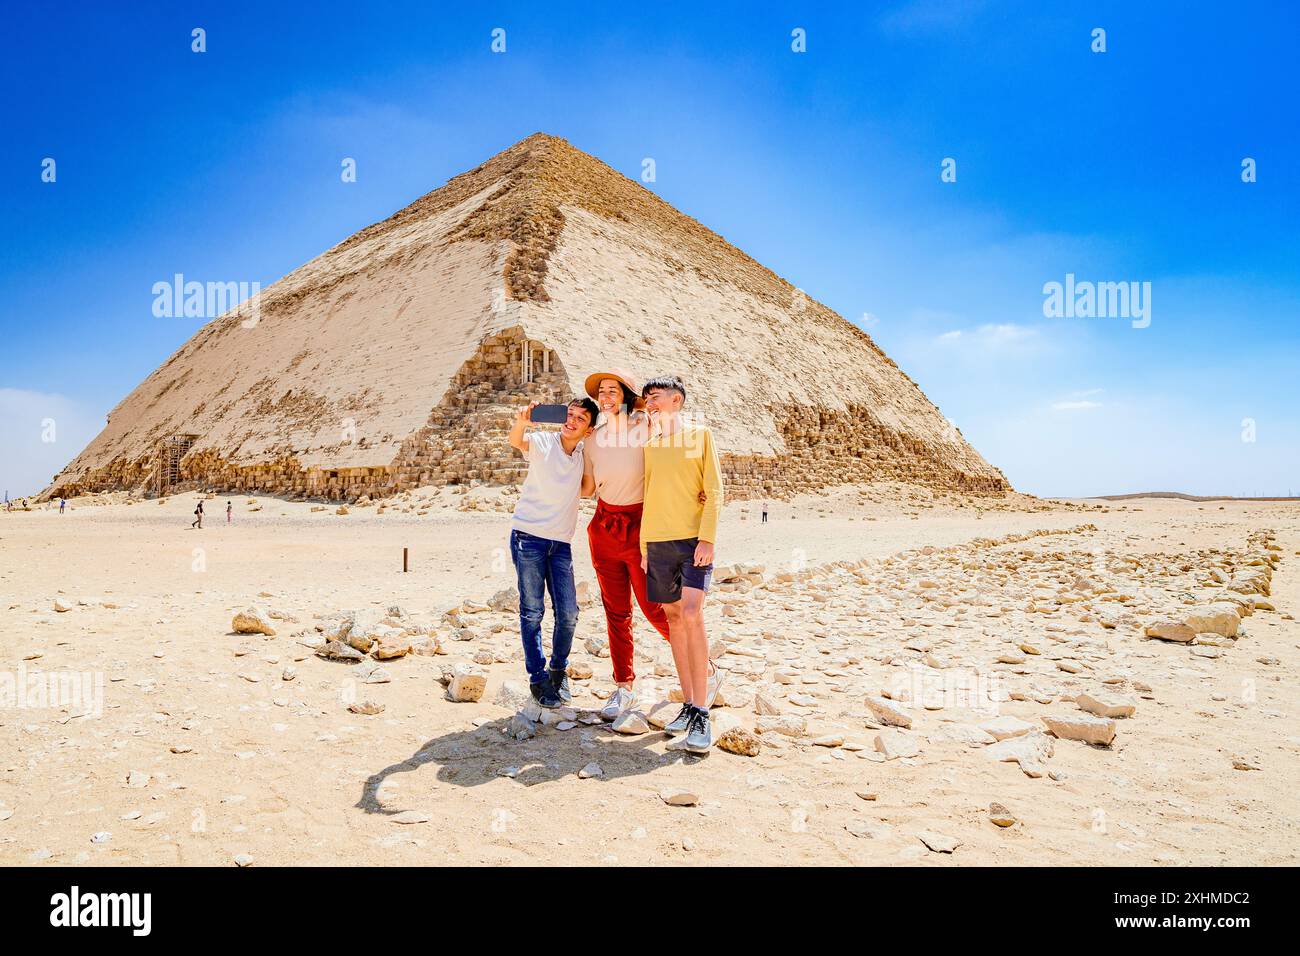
x,y
662,400
609,396
578,422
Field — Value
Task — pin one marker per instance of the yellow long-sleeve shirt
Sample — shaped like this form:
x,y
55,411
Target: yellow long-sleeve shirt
x,y
677,468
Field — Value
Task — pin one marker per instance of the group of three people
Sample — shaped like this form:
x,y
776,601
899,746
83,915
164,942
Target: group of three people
x,y
658,485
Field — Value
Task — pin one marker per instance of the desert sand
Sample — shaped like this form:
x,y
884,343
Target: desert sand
x,y
216,747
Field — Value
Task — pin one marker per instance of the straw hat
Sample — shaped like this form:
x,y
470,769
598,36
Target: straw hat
x,y
619,375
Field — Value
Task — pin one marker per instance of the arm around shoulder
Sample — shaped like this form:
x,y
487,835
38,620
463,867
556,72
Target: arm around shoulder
x,y
713,492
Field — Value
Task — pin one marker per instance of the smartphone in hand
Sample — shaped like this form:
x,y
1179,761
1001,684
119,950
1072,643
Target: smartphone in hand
x,y
549,415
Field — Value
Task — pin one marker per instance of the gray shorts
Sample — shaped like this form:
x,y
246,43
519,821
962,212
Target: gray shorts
x,y
670,566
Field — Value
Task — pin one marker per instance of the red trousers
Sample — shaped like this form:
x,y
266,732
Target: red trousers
x,y
615,538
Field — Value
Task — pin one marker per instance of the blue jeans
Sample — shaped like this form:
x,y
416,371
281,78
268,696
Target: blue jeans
x,y
544,565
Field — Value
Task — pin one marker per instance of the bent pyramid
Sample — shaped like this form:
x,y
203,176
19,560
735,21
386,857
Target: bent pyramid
x,y
395,359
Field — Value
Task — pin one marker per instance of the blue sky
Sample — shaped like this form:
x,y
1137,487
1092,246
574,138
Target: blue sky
x,y
824,165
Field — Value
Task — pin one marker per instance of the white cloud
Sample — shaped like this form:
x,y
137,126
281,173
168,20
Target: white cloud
x,y
992,337
43,432
1074,406
1005,332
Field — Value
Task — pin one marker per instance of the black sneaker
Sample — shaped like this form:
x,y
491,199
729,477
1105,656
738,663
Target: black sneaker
x,y
544,693
560,681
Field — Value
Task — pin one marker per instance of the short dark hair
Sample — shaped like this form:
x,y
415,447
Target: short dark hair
x,y
666,383
588,406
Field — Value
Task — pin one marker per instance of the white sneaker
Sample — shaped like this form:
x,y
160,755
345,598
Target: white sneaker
x,y
715,681
622,699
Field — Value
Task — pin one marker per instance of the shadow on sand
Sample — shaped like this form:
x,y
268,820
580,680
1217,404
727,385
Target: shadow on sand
x,y
470,758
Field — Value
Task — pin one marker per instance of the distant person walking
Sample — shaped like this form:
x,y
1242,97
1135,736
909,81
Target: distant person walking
x,y
228,510
198,517
62,502
764,512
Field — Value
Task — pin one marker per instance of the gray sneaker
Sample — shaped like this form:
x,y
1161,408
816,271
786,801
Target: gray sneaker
x,y
681,723
699,738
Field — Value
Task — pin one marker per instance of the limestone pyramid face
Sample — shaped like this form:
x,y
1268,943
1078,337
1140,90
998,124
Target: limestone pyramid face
x,y
395,358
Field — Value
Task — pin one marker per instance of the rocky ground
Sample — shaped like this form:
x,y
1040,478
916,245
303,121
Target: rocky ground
x,y
908,678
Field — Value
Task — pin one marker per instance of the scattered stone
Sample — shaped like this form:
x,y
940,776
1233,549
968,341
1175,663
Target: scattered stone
x,y
662,713
507,599
739,741
1106,705
1030,751
1000,815
791,725
1084,727
467,684
366,707
630,722
252,620
867,830
1215,618
1171,631
243,859
513,695
390,649
138,779
895,744
338,651
938,842
679,798
1005,727
408,817
889,713
591,770
521,727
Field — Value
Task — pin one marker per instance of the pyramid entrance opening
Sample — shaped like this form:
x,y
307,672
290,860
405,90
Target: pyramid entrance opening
x,y
464,439
171,450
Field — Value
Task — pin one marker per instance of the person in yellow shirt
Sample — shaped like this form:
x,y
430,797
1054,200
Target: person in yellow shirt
x,y
679,526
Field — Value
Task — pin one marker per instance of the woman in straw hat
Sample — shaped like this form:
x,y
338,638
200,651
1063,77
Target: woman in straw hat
x,y
614,471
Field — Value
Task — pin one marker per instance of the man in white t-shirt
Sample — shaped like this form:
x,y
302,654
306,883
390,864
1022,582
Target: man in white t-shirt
x,y
540,536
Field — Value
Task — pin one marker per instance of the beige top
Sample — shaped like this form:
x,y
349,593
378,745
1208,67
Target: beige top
x,y
615,457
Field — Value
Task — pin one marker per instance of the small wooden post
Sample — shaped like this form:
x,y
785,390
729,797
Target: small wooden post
x,y
405,565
